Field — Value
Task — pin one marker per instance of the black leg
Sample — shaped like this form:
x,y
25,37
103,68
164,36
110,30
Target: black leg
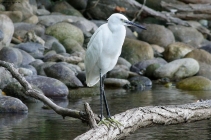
x,y
104,97
101,97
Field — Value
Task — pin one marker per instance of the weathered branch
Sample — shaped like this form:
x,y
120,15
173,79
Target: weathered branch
x,y
196,8
147,116
37,95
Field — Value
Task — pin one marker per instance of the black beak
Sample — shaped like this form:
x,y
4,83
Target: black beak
x,y
134,24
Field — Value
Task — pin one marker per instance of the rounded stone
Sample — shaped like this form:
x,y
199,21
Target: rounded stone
x,y
195,83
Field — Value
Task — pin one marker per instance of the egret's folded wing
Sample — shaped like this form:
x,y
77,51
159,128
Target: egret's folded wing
x,y
93,52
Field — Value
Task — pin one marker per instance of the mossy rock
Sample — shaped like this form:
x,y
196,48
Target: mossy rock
x,y
194,83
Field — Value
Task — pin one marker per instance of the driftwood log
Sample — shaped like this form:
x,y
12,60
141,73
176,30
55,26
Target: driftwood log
x,y
131,119
135,118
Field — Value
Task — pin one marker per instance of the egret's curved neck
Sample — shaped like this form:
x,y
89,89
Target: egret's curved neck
x,y
115,27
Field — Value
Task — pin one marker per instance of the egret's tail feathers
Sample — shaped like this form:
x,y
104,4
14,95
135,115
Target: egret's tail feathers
x,y
92,82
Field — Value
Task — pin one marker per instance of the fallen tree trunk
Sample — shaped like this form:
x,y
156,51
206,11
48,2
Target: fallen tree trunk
x,y
196,8
135,118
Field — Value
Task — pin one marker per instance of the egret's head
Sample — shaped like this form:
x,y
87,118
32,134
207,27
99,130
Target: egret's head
x,y
119,19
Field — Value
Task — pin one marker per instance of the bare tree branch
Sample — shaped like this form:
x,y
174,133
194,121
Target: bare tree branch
x,y
135,118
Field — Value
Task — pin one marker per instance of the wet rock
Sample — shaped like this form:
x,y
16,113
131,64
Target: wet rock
x,y
204,70
195,83
135,51
115,83
157,34
82,77
200,55
21,28
50,87
64,30
72,46
7,27
58,47
85,24
187,35
49,40
176,50
25,72
27,58
23,6
178,69
31,68
42,12
11,55
78,4
118,73
5,77
65,8
44,3
122,61
16,90
157,48
63,73
15,16
138,82
40,68
151,69
36,63
144,64
1,35
12,105
206,48
33,4
33,19
34,49
107,8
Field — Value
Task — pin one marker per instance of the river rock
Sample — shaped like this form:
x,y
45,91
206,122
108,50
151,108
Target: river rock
x,y
5,77
187,35
27,58
78,4
204,70
12,55
64,30
150,69
65,8
122,61
116,83
53,19
31,68
7,27
21,28
72,46
138,82
22,6
63,73
206,48
44,3
50,87
108,7
42,12
1,35
12,105
33,19
200,55
157,34
58,47
142,65
15,16
40,68
16,90
34,49
178,69
196,83
119,73
176,50
135,51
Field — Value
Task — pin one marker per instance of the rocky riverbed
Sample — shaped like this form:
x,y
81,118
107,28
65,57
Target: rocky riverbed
x,y
46,41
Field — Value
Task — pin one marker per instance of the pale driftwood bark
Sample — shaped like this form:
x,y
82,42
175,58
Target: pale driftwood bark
x,y
60,58
196,8
29,91
196,1
91,116
147,116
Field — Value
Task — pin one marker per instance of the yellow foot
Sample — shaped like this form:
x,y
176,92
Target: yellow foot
x,y
110,121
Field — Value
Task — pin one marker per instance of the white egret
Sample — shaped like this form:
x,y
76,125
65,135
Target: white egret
x,y
103,51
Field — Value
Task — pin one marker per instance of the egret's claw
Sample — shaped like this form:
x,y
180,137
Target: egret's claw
x,y
110,121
